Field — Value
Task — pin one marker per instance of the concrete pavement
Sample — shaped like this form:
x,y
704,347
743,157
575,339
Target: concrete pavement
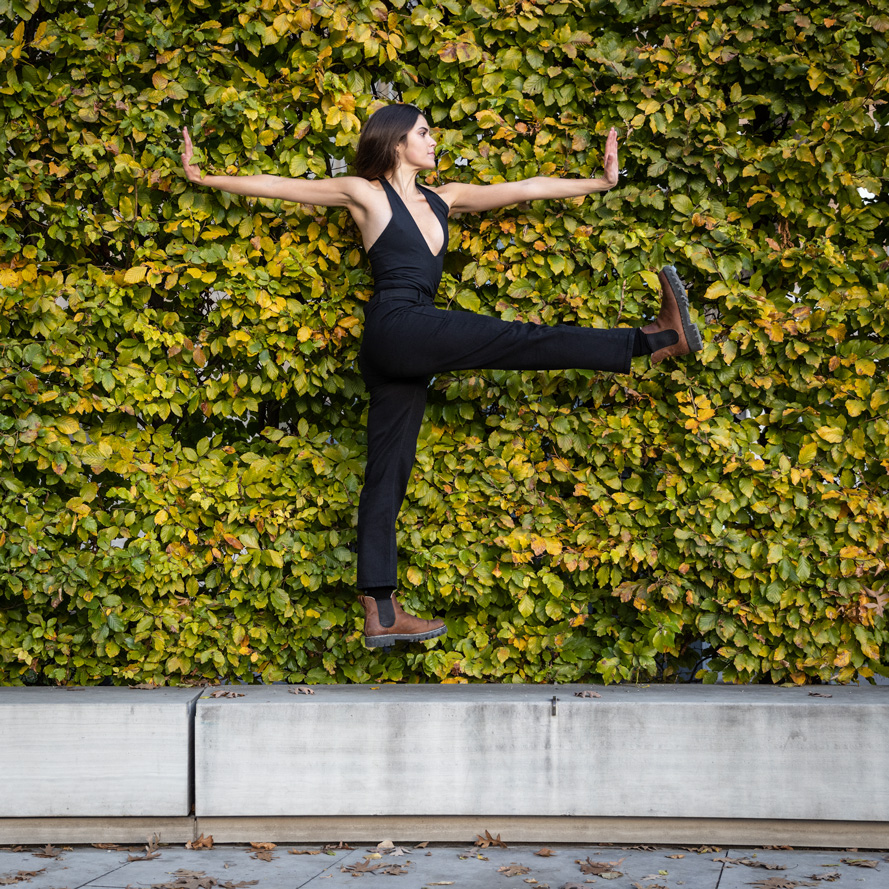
x,y
461,866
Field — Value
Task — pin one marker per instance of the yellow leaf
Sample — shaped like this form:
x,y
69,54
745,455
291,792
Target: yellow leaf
x,y
830,433
161,517
414,575
135,274
304,333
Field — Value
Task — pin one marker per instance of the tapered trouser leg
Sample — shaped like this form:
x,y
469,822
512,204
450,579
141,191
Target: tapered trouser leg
x,y
406,340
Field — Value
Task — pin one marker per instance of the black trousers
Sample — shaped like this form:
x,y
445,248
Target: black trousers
x,y
407,340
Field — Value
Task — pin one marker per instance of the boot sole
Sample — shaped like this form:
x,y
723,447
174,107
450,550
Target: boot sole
x,y
689,328
378,641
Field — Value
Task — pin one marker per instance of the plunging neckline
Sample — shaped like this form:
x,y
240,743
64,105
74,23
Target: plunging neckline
x,y
417,224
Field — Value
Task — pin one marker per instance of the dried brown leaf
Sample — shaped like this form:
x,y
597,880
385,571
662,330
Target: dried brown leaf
x,y
751,862
304,851
301,690
587,694
225,693
780,883
201,842
361,867
330,847
829,877
544,852
514,870
860,862
394,870
48,851
265,855
151,851
422,845
21,877
819,694
263,847
598,868
680,855
488,840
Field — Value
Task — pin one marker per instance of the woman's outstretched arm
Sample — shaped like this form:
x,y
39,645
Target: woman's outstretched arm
x,y
340,191
464,198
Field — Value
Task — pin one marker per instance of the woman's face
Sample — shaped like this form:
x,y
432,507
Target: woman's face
x,y
418,147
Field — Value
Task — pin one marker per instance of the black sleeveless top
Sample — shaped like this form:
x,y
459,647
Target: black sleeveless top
x,y
400,256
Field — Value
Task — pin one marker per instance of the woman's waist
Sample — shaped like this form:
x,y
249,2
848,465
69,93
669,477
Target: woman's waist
x,y
402,294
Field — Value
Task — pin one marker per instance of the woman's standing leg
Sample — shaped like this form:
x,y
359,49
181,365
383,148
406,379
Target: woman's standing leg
x,y
393,424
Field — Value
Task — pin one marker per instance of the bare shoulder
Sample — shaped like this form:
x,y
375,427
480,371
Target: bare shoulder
x,y
447,192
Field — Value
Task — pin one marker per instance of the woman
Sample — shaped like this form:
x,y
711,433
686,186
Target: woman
x,y
406,339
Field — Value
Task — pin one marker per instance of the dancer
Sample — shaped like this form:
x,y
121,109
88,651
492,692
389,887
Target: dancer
x,y
404,227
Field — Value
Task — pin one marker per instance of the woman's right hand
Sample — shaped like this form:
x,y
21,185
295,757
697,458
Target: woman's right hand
x,y
191,170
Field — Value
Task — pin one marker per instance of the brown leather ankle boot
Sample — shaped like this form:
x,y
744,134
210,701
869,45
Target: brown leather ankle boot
x,y
406,626
674,316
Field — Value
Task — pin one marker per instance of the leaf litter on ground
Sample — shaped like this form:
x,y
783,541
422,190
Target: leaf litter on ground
x,y
487,840
21,877
151,850
198,879
48,851
600,868
514,870
751,862
780,883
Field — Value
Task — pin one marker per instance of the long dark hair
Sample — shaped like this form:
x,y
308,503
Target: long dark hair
x,y
384,129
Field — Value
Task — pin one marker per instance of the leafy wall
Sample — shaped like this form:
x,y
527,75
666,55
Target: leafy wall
x,y
181,416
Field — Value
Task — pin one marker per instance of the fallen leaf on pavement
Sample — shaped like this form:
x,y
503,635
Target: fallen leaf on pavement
x,y
361,867
513,870
597,868
545,853
264,855
151,851
422,845
394,870
752,862
263,847
860,862
201,842
330,847
48,851
223,693
829,877
680,855
305,851
301,690
197,879
818,694
701,850
587,694
20,877
780,883
488,840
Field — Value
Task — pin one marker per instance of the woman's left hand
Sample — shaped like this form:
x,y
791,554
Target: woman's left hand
x,y
611,169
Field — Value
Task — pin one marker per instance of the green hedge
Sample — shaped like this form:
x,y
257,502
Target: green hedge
x,y
181,416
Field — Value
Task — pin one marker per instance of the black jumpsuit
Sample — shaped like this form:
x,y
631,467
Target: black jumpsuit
x,y
407,340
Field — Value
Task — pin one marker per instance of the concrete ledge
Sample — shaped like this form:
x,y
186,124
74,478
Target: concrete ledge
x,y
95,751
464,829
450,829
33,831
679,751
